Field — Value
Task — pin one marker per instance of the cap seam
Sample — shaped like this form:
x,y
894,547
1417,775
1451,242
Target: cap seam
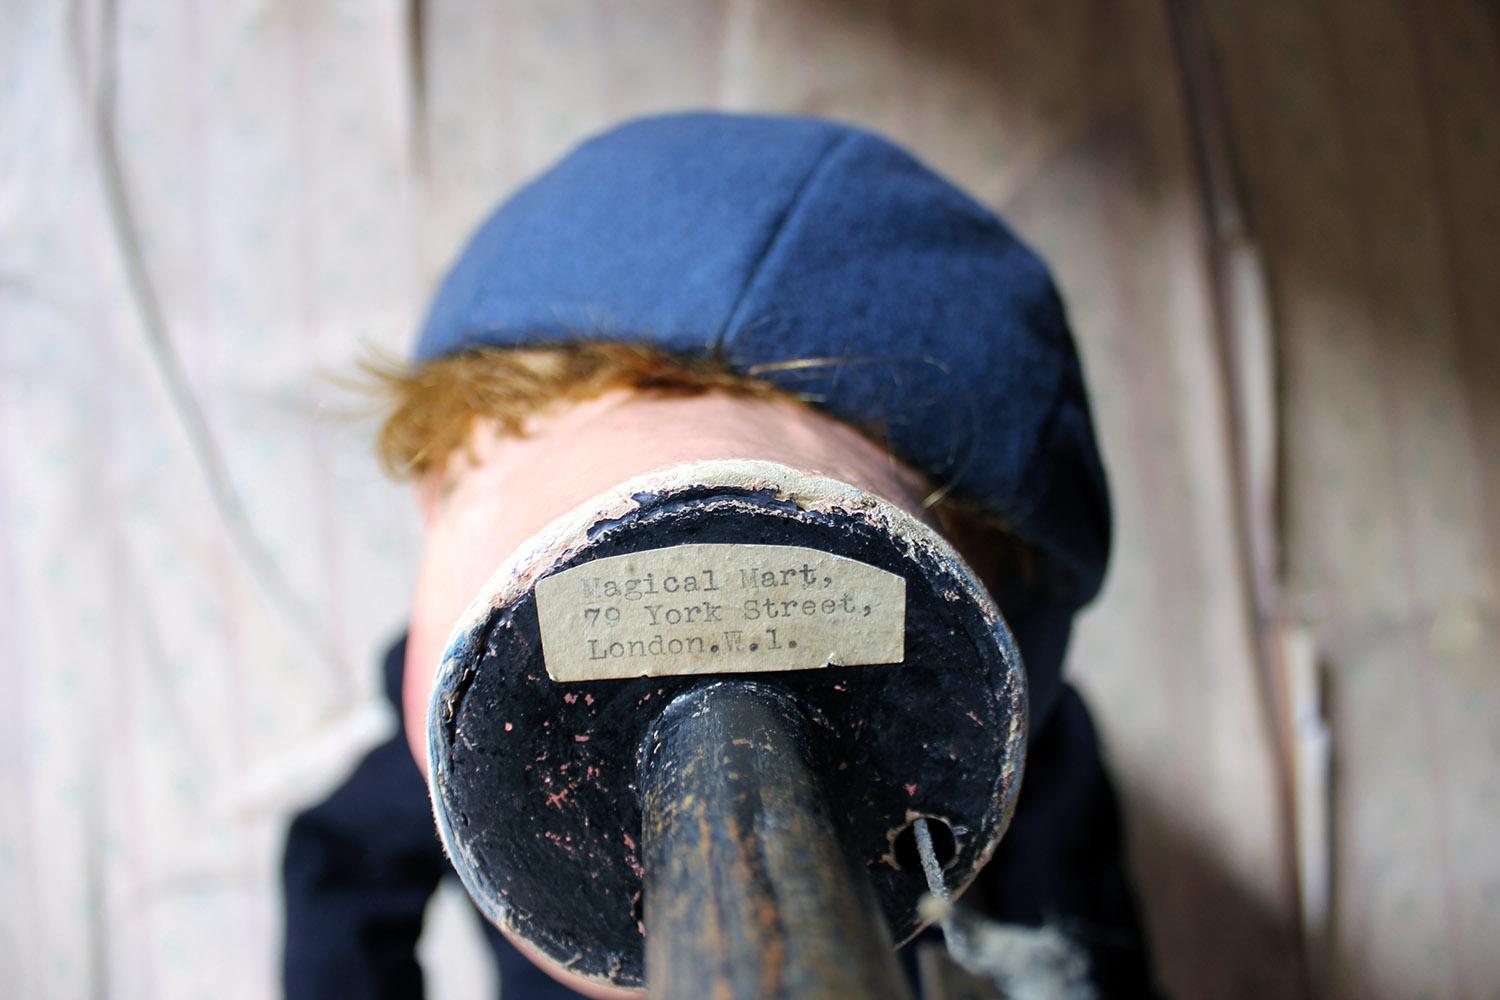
x,y
794,204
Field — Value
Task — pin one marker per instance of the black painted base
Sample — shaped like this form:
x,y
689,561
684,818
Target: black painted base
x,y
537,784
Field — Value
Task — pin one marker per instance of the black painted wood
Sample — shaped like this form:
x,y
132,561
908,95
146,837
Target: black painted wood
x,y
538,784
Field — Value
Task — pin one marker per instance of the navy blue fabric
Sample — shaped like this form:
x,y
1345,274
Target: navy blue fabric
x,y
1062,860
763,240
357,874
358,871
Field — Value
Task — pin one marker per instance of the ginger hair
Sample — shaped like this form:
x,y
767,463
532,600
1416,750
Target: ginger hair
x,y
433,408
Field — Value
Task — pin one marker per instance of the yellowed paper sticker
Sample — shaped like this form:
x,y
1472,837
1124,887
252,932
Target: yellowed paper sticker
x,y
719,609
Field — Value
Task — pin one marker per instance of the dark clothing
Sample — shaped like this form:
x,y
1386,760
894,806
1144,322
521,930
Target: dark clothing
x,y
361,866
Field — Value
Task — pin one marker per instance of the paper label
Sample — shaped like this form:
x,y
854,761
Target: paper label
x,y
719,609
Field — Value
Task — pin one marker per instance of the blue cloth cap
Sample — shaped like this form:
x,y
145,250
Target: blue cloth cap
x,y
766,239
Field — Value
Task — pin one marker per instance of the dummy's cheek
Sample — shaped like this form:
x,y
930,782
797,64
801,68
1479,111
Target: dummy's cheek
x,y
468,536
422,651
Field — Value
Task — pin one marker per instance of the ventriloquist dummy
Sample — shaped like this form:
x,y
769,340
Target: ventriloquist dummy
x,y
734,289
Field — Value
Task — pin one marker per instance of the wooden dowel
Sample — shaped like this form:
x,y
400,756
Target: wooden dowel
x,y
748,893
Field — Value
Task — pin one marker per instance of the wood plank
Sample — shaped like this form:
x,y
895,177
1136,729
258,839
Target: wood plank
x,y
1168,655
1370,139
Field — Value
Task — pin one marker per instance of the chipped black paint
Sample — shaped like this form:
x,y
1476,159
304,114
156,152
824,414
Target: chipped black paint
x,y
540,780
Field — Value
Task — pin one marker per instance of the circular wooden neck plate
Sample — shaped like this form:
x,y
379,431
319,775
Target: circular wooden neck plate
x,y
536,782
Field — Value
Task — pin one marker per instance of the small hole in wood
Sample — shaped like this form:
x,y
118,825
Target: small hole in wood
x,y
904,846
